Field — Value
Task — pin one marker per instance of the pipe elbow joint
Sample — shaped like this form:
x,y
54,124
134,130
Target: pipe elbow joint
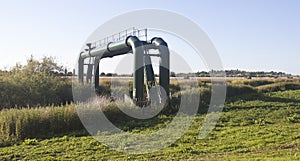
x,y
133,41
158,41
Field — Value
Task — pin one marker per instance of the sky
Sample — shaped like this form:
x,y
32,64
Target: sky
x,y
252,35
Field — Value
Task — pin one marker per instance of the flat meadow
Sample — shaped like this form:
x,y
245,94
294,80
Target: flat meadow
x,y
260,121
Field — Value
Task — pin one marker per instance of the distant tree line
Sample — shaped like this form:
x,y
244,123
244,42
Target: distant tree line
x,y
234,73
229,73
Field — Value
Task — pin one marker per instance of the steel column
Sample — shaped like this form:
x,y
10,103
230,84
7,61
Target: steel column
x,y
164,63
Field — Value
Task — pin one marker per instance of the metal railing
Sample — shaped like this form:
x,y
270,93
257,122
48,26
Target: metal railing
x,y
140,33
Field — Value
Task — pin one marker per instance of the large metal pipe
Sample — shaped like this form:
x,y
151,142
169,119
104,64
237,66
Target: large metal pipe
x,y
138,73
164,64
149,69
80,69
96,72
110,50
132,43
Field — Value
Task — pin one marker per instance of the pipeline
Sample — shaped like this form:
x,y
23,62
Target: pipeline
x,y
142,63
130,44
164,66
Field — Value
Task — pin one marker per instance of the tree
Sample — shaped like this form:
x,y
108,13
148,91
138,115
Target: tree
x,y
36,83
173,74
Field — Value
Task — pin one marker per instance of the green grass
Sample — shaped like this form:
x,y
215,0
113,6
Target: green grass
x,y
257,126
224,143
19,124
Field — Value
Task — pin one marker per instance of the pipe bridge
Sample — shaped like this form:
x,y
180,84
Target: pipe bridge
x,y
129,41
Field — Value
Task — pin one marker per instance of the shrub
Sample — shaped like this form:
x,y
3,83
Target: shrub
x,y
35,84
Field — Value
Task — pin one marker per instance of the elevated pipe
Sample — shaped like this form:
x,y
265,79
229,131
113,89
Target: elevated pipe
x,y
80,68
138,74
96,72
110,50
164,63
132,43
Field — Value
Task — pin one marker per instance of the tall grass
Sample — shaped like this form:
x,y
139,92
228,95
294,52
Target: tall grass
x,y
280,86
18,124
253,83
21,123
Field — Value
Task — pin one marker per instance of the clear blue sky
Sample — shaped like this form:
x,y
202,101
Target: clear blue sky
x,y
249,35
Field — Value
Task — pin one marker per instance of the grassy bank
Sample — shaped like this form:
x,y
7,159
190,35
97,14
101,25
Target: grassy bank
x,y
257,126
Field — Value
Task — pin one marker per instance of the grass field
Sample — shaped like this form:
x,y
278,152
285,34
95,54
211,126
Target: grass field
x,y
254,126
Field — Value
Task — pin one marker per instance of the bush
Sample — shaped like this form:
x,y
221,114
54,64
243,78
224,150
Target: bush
x,y
35,84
